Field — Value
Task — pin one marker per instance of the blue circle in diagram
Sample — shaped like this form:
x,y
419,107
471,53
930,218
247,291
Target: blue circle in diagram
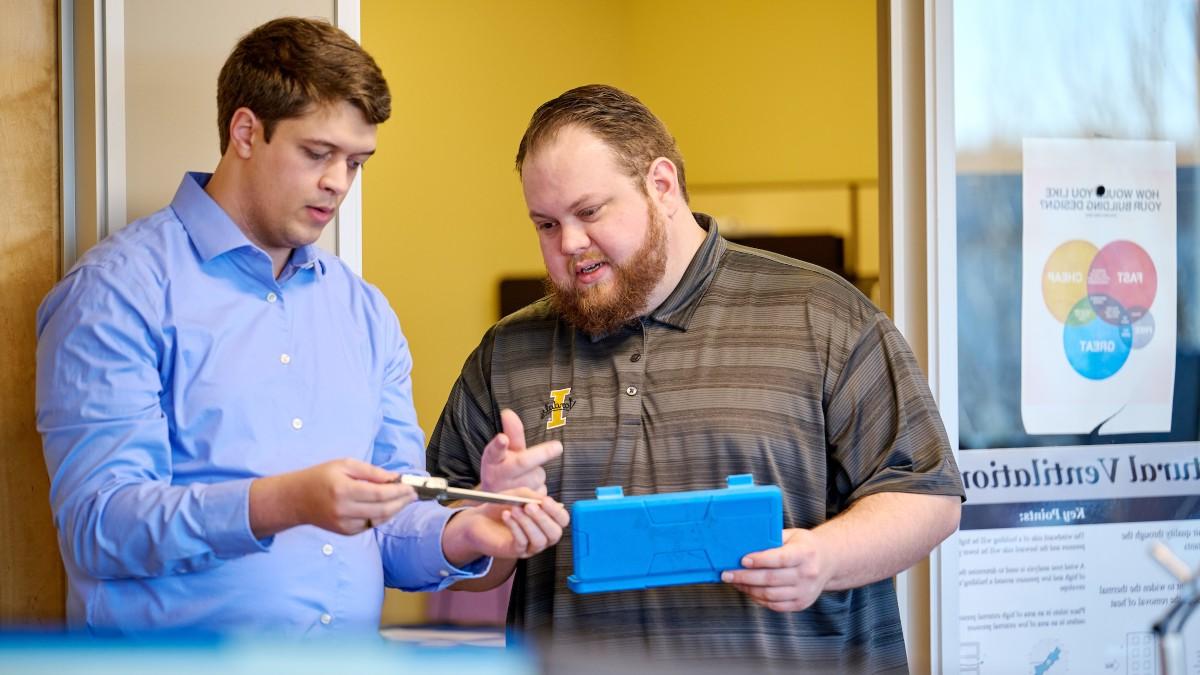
x,y
1095,348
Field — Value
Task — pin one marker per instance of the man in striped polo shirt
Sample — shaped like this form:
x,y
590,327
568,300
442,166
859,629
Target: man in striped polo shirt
x,y
665,359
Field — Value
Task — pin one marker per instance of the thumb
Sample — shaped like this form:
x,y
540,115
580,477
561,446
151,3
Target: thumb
x,y
511,423
369,472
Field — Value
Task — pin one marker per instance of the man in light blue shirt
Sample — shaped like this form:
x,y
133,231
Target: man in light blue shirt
x,y
224,407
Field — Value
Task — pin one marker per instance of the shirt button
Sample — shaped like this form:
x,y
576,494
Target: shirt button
x,y
297,423
632,391
271,297
285,359
635,358
327,549
444,573
326,619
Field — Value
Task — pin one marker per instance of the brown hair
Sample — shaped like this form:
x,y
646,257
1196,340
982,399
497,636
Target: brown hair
x,y
624,123
286,66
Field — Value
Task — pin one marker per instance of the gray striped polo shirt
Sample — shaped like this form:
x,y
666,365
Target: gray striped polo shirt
x,y
756,363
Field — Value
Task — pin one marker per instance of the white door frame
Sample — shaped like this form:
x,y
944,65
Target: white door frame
x,y
92,128
917,281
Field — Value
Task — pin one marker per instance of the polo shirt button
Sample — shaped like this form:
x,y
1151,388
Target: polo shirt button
x,y
326,619
635,358
631,390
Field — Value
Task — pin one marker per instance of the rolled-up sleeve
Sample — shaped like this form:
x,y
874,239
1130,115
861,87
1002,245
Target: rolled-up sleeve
x,y
107,445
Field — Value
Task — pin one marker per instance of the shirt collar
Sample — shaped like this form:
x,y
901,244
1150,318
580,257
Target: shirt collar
x,y
307,258
214,233
677,310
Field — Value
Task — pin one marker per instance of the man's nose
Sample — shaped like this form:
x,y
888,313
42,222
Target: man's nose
x,y
574,239
336,178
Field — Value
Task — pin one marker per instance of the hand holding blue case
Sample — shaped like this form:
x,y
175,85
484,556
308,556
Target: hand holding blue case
x,y
622,543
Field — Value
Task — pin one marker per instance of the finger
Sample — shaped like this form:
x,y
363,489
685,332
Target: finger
x,y
534,457
366,471
365,493
533,480
556,512
508,478
772,593
791,554
784,604
761,577
510,422
537,541
496,450
520,541
384,512
527,518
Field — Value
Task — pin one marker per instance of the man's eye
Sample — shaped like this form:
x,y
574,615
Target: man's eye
x,y
315,155
589,212
544,226
355,164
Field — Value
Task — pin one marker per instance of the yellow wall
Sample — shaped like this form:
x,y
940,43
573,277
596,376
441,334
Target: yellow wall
x,y
761,90
757,92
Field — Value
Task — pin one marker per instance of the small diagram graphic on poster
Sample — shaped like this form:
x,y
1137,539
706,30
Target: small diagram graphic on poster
x,y
1098,297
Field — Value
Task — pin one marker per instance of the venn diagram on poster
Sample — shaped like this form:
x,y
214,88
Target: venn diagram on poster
x,y
1102,297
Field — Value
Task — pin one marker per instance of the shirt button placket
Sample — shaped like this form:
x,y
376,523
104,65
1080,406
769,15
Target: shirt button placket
x,y
631,368
286,359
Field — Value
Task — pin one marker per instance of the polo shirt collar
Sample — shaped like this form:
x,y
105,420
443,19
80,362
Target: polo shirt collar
x,y
677,310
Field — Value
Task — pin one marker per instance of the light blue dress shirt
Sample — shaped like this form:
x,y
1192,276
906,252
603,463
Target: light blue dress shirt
x,y
174,369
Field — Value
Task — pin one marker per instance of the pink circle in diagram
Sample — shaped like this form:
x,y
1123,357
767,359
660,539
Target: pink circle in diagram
x,y
1124,272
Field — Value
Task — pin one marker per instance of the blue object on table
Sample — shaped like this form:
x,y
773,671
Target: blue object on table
x,y
622,543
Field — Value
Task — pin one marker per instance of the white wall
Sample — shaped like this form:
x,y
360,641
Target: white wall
x,y
173,53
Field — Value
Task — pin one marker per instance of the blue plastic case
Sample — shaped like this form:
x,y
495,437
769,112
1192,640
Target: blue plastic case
x,y
622,543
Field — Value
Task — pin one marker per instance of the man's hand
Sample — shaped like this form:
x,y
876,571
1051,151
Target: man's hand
x,y
879,536
785,579
508,464
502,531
345,496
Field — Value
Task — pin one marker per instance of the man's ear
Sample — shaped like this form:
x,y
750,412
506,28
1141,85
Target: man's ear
x,y
242,128
662,184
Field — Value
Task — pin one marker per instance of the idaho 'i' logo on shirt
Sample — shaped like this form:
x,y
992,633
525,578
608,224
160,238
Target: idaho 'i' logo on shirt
x,y
558,408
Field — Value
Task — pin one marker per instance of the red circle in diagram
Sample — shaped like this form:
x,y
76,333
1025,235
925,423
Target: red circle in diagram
x,y
1124,272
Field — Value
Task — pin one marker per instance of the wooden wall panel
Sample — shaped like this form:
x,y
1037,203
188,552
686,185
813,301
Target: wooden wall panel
x,y
32,584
